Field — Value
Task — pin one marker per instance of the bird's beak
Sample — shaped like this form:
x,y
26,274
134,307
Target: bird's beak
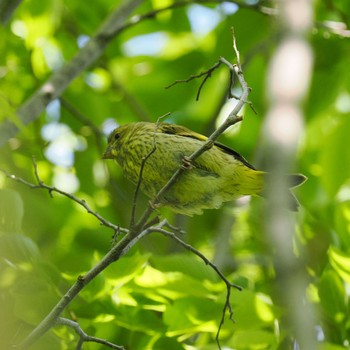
x,y
108,154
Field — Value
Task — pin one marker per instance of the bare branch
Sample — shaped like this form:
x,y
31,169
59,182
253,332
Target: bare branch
x,y
195,251
84,337
58,82
232,118
206,73
52,189
7,8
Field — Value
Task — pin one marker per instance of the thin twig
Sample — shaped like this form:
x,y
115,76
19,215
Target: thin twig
x,y
51,189
206,73
227,306
138,185
84,337
143,163
197,252
234,43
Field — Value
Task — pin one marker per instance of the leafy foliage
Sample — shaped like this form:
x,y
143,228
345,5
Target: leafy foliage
x,y
159,296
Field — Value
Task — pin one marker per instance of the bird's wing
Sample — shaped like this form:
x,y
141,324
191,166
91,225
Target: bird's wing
x,y
182,131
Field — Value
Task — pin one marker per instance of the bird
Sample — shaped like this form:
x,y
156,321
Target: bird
x,y
218,175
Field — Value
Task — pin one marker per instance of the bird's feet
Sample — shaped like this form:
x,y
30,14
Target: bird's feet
x,y
186,163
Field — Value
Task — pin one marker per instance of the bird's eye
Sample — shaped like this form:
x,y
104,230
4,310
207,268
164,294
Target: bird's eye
x,y
113,137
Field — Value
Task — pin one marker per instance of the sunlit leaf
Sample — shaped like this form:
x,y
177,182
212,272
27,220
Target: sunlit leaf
x,y
340,261
332,295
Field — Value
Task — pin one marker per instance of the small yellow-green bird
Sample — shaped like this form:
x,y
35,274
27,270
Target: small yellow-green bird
x,y
219,175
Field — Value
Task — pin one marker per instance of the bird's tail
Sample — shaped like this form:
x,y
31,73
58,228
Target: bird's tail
x,y
293,180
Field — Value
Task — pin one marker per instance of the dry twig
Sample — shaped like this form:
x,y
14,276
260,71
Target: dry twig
x,y
84,337
52,189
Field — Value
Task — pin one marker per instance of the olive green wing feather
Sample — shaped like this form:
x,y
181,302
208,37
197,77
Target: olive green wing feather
x,y
182,131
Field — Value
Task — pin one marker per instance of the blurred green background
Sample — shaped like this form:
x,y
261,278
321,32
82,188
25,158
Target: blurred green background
x,y
160,296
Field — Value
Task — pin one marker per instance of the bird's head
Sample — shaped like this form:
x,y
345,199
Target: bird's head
x,y
116,140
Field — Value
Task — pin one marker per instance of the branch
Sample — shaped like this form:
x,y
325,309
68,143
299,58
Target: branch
x,y
206,73
195,251
7,8
51,189
59,81
209,72
84,338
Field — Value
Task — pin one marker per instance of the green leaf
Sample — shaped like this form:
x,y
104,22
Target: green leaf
x,y
332,296
342,222
334,160
125,269
253,340
188,264
34,298
330,346
192,315
170,284
140,320
16,248
252,310
340,262
11,211
167,343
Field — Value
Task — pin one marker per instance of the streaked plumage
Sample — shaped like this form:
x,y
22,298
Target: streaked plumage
x,y
218,175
